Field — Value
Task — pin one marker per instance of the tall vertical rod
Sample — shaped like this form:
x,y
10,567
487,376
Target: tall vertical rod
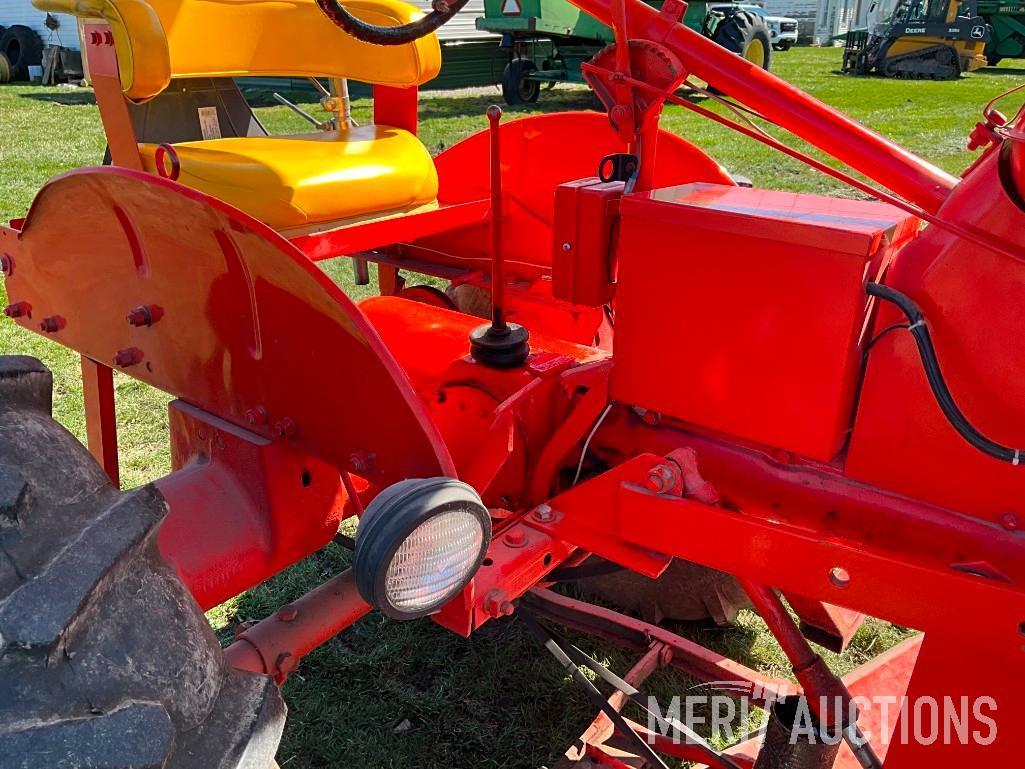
x,y
497,261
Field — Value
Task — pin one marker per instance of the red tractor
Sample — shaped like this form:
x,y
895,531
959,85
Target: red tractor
x,y
640,370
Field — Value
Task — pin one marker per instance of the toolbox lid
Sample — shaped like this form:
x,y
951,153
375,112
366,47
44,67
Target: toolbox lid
x,y
837,224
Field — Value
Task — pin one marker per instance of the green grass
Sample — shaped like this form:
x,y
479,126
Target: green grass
x,y
493,700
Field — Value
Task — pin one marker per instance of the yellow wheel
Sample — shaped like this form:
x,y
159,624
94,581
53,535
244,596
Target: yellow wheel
x,y
755,52
745,34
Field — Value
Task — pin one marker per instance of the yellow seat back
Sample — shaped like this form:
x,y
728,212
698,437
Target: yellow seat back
x,y
157,40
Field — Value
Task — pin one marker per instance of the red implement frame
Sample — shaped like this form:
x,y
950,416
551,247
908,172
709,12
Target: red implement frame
x,y
297,406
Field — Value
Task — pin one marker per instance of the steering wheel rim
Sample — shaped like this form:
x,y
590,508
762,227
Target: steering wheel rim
x,y
400,35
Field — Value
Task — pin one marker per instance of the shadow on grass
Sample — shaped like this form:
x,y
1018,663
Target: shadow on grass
x,y
69,98
412,694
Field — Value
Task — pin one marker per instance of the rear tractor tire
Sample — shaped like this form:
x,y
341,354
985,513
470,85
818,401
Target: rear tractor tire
x,y
23,49
105,658
745,34
517,87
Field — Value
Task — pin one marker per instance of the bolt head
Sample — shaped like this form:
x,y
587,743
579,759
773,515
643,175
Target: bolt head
x,y
129,356
284,427
543,512
495,603
139,316
515,538
1010,521
257,416
17,309
567,246
660,479
51,324
287,613
361,461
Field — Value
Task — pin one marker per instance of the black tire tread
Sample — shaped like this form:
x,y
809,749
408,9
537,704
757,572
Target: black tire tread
x,y
30,49
105,658
737,28
515,71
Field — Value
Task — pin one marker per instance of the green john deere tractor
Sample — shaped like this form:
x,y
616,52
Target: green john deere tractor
x,y
1006,19
548,40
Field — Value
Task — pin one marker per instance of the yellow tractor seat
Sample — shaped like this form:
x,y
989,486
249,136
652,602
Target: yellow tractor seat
x,y
293,181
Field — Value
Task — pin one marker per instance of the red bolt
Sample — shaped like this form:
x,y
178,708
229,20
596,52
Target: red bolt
x,y
129,356
361,461
287,613
651,417
285,664
144,315
1010,521
6,264
497,604
661,479
284,427
515,538
51,324
18,309
257,416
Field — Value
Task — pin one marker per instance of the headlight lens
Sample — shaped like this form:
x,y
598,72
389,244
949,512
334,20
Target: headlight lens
x,y
434,561
419,543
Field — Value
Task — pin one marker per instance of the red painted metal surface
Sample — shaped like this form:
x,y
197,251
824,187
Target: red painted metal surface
x,y
241,506
235,297
971,298
364,236
583,270
757,445
806,560
106,81
396,107
835,134
764,341
277,644
100,417
538,154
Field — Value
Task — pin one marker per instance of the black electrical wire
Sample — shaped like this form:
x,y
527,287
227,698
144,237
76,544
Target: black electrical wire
x,y
927,352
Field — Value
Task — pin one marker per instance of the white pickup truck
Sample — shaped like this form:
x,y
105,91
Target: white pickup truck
x,y
782,29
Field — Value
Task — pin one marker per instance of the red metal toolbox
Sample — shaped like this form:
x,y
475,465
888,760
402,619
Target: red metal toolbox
x,y
743,311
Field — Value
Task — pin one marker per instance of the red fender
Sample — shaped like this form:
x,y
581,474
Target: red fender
x,y
245,326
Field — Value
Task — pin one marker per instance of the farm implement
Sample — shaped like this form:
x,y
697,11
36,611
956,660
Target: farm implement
x,y
548,40
698,396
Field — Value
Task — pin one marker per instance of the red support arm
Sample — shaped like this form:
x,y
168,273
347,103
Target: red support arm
x,y
837,135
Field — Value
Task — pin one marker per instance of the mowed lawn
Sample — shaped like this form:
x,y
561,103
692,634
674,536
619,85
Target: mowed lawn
x,y
388,694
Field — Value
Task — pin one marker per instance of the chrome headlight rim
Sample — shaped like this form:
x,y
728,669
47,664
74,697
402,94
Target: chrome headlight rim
x,y
392,517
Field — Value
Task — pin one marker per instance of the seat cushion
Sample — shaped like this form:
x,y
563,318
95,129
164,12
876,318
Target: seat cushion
x,y
292,181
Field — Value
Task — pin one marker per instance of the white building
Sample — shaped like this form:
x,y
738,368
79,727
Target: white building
x,y
23,12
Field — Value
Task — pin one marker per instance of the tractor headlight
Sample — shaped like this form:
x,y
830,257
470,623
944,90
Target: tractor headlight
x,y
418,544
